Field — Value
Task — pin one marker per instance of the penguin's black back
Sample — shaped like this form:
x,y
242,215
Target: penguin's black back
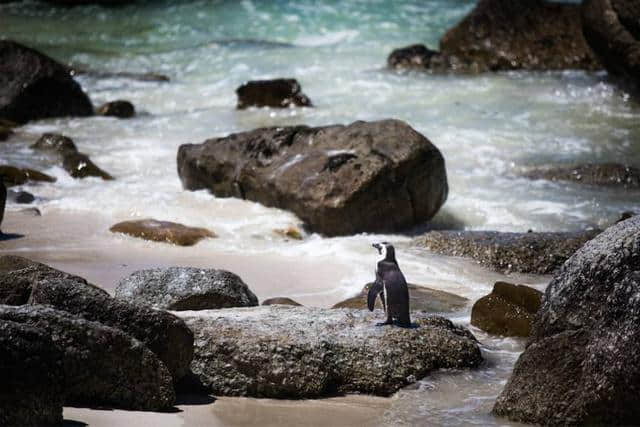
x,y
397,290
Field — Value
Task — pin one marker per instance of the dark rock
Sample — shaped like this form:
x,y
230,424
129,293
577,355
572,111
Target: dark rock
x,y
536,253
56,143
613,174
612,29
582,363
281,301
507,35
163,333
421,298
297,352
120,108
5,133
21,197
31,392
278,93
12,175
34,86
365,177
625,215
163,231
80,166
186,288
101,365
508,310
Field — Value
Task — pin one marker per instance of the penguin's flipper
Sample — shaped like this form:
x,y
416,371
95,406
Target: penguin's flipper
x,y
374,291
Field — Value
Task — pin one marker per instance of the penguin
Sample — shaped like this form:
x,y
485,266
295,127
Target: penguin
x,y
392,287
3,200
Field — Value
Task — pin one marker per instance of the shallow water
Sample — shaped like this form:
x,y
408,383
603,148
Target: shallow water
x,y
488,127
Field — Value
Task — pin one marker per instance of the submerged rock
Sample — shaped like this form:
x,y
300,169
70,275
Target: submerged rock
x,y
507,35
186,288
582,363
79,165
34,86
612,174
20,197
297,352
23,281
32,392
101,365
421,298
277,93
120,108
612,29
12,175
281,301
290,233
163,231
55,143
508,310
536,253
365,177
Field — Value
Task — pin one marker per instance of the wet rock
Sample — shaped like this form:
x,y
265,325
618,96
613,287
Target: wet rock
x,y
55,143
277,93
536,253
12,175
5,133
186,288
290,233
582,363
31,211
365,177
297,352
612,174
508,310
507,35
34,86
281,301
142,77
626,215
101,365
421,298
163,231
32,391
80,166
163,333
612,29
20,197
120,108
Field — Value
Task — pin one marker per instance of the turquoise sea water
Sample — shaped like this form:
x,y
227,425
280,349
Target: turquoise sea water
x,y
489,127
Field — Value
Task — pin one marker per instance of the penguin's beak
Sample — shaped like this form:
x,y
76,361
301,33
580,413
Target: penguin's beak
x,y
378,246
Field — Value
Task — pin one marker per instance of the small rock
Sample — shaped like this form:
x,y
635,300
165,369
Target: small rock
x,y
290,233
163,231
12,175
5,133
416,56
186,288
281,301
508,310
625,216
56,143
80,166
20,197
421,298
120,108
31,211
609,174
278,93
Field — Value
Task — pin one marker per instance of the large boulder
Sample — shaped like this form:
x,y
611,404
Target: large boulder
x,y
277,93
296,352
31,389
163,231
582,363
101,365
34,86
609,174
507,35
164,333
365,177
508,310
421,298
186,288
612,29
536,253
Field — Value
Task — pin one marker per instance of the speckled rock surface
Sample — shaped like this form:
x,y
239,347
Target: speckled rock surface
x,y
536,253
186,288
299,352
582,363
101,365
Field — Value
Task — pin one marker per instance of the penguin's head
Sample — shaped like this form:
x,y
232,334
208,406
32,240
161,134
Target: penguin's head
x,y
386,251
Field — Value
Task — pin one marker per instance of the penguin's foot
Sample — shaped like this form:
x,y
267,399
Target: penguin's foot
x,y
388,322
